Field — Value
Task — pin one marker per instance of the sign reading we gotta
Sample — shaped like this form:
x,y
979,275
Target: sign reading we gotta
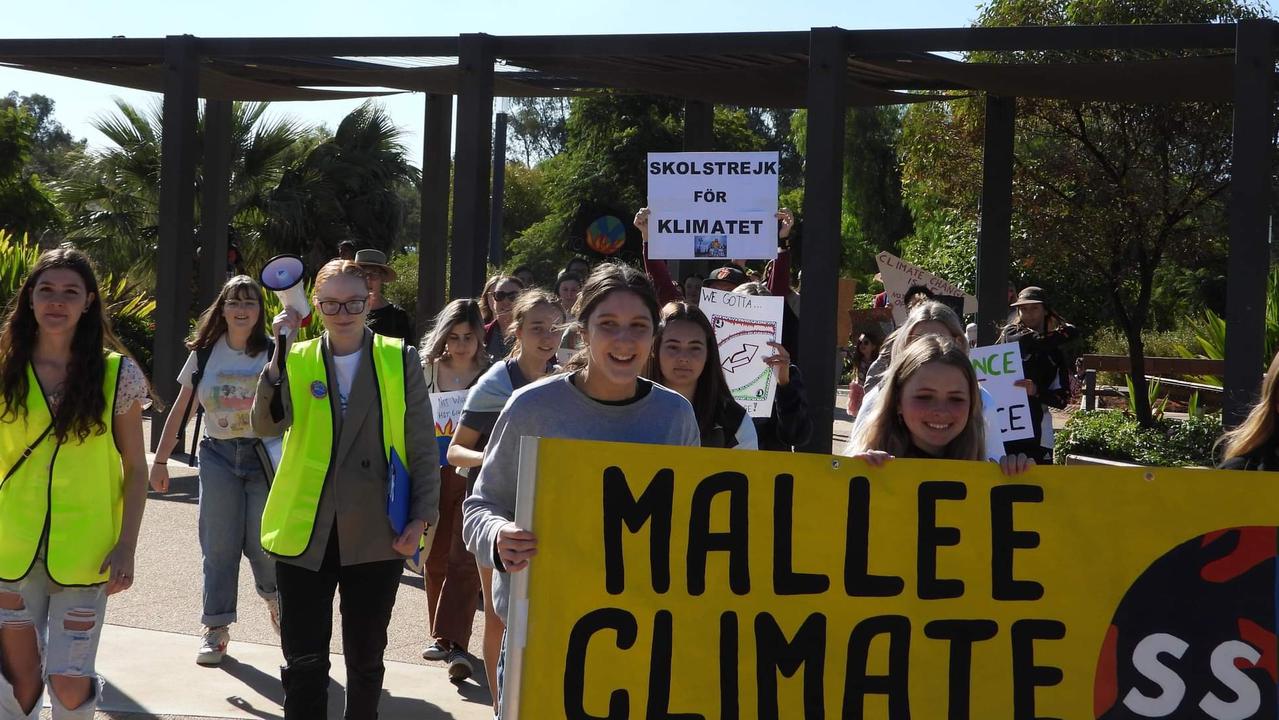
x,y
695,583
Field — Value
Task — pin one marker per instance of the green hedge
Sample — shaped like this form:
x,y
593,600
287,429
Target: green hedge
x,y
1117,436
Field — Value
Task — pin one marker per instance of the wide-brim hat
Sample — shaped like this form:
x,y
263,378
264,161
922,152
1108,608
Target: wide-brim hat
x,y
371,258
1030,296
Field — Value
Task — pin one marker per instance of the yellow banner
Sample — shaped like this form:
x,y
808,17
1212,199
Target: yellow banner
x,y
691,583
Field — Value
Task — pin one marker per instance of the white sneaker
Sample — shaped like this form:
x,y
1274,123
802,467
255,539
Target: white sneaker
x,y
213,645
435,651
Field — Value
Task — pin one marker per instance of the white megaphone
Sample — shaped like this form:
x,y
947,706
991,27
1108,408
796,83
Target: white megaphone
x,y
282,275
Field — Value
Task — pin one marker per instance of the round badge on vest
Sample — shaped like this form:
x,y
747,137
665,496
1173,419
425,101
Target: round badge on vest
x,y
318,390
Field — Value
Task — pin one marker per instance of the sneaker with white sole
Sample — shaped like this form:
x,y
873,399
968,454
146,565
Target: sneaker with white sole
x,y
437,650
459,665
273,607
213,645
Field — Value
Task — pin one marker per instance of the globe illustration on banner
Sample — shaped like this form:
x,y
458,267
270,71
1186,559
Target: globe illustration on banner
x,y
606,235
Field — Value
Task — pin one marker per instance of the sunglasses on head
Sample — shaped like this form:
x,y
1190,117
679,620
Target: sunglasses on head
x,y
504,295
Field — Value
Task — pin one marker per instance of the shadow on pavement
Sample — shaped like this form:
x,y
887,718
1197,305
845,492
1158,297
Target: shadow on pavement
x,y
264,684
183,489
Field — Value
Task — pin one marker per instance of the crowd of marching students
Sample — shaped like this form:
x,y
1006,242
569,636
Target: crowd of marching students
x,y
602,353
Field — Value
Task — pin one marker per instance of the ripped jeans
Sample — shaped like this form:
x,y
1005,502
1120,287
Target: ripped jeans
x,y
68,624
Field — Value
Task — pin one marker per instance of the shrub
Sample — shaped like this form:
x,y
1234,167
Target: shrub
x,y
1117,436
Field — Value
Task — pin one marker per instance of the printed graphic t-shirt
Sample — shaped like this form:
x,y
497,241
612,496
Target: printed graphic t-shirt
x,y
344,367
226,390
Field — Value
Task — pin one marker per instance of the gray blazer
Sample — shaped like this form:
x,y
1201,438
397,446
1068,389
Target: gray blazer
x,y
354,494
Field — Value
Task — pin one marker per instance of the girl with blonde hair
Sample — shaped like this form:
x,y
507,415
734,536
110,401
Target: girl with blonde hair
x,y
930,409
927,318
1253,445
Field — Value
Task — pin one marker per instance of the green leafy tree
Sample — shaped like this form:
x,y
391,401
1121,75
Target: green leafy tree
x,y
112,196
54,151
537,129
350,186
873,216
1105,194
25,204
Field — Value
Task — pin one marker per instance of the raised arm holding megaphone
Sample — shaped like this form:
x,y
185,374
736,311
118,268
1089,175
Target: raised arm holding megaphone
x,y
283,275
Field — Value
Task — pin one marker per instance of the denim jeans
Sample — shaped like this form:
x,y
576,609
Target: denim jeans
x,y
306,627
233,490
66,651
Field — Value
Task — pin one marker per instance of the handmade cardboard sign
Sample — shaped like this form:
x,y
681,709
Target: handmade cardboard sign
x,y
712,206
998,368
744,325
448,411
899,276
705,583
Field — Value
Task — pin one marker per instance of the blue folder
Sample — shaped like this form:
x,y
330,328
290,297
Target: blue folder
x,y
397,492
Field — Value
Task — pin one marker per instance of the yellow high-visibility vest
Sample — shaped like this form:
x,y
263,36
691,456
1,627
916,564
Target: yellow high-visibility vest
x,y
75,489
288,521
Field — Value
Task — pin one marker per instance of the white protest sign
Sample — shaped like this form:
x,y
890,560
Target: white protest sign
x,y
712,205
744,325
899,276
448,412
998,368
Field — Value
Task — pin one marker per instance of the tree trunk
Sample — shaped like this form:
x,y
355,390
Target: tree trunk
x,y
1140,387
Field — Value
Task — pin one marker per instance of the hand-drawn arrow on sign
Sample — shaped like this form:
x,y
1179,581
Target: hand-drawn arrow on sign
x,y
740,358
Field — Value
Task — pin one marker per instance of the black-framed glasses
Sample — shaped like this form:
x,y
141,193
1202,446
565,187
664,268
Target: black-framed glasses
x,y
504,295
331,307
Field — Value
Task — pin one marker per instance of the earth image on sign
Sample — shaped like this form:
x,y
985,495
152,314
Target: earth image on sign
x,y
606,235
738,351
1194,636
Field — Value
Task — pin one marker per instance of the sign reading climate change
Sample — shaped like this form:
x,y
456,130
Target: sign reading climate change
x,y
730,584
712,205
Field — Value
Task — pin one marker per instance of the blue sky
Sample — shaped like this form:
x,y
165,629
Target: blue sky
x,y
78,101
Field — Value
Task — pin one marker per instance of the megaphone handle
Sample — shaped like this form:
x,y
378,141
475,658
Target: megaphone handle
x,y
281,342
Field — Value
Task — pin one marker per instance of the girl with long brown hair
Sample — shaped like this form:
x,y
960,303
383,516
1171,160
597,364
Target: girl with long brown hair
x,y
74,464
452,360
686,360
601,397
228,352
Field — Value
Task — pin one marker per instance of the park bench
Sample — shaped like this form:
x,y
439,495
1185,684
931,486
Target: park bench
x,y
1166,371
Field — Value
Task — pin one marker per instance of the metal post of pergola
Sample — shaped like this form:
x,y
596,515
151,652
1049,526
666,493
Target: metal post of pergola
x,y
432,258
823,204
178,151
994,233
471,166
1250,201
215,188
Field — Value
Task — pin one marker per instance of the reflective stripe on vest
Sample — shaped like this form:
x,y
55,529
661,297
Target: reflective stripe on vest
x,y
75,488
288,521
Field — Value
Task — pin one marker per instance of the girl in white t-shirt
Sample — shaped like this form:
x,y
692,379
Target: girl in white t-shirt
x,y
232,335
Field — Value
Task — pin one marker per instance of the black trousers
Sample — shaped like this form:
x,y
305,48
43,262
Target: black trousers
x,y
306,627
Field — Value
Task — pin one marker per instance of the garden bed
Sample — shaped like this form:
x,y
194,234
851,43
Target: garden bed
x,y
1116,436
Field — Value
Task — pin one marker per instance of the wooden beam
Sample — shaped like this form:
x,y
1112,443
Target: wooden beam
x,y
432,258
995,232
471,173
215,191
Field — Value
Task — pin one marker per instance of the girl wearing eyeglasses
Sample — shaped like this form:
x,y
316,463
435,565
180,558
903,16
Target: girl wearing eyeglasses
x,y
352,403
499,297
221,374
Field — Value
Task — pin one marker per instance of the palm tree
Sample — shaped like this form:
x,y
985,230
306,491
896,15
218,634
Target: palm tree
x,y
347,187
112,196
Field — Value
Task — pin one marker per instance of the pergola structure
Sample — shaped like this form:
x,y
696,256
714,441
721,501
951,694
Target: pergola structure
x,y
825,70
